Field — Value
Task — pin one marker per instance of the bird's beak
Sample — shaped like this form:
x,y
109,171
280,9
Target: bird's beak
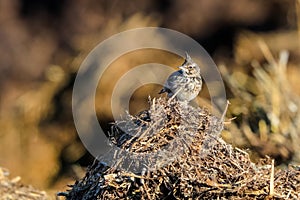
x,y
181,67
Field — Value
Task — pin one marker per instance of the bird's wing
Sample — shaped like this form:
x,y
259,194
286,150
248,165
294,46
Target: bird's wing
x,y
172,81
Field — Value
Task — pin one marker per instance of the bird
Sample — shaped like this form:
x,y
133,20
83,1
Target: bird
x,y
186,83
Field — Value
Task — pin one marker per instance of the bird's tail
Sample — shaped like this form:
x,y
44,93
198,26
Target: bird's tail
x,y
162,91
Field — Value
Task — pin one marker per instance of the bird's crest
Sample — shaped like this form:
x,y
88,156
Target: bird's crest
x,y
188,59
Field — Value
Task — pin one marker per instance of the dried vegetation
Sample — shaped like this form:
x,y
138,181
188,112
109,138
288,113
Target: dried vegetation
x,y
13,189
266,107
202,165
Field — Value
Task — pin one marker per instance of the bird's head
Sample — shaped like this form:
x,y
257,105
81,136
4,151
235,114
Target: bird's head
x,y
189,67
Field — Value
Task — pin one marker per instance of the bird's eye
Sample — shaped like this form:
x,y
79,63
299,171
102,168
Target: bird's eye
x,y
190,67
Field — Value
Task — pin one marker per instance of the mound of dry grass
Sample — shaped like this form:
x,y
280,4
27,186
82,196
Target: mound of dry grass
x,y
191,161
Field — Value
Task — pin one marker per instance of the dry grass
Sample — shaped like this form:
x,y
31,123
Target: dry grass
x,y
204,166
266,108
13,189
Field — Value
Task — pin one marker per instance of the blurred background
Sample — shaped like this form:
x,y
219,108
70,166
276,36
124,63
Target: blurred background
x,y
255,44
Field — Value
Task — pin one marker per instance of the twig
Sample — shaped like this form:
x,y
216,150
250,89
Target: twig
x,y
271,194
225,111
